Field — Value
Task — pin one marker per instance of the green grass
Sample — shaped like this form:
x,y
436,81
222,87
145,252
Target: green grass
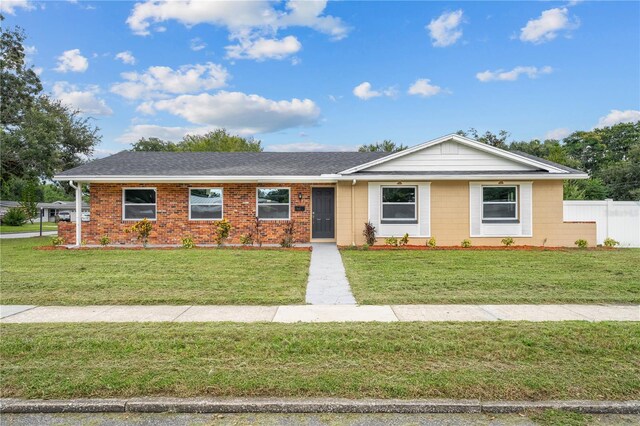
x,y
507,361
562,418
458,276
130,277
28,227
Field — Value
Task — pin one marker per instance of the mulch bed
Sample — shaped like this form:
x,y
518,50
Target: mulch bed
x,y
473,248
172,248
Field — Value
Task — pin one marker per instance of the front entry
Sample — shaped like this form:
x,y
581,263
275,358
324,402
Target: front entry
x,y
322,215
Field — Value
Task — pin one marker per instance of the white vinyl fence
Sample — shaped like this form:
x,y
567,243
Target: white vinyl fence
x,y
619,220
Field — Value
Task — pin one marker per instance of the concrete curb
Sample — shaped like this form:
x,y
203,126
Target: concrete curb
x,y
312,405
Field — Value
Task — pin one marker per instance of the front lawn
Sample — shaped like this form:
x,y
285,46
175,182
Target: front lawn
x,y
28,227
511,361
458,276
149,277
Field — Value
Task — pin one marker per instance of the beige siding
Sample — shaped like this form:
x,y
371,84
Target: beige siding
x,y
450,216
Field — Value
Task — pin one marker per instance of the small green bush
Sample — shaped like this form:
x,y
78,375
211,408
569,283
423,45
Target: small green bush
x,y
431,242
610,242
365,246
223,228
15,216
507,241
57,241
466,243
582,243
391,241
142,229
187,242
404,240
105,240
246,239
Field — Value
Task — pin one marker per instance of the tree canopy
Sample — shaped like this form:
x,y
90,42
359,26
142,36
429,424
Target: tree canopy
x,y
219,140
384,146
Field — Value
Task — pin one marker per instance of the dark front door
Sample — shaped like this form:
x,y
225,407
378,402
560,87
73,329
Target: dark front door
x,y
323,213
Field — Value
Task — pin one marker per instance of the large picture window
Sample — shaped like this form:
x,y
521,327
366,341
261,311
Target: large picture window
x,y
399,203
205,203
499,203
139,203
273,203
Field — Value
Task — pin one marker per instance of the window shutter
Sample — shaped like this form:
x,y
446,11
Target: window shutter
x,y
526,209
475,209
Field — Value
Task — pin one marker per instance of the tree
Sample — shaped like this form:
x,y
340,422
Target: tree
x,y
19,84
55,192
154,144
219,141
29,203
384,146
499,140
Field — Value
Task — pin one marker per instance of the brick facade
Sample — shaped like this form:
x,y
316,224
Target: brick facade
x,y
173,224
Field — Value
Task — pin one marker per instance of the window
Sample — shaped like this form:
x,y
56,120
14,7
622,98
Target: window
x,y
499,203
205,203
139,203
399,203
273,203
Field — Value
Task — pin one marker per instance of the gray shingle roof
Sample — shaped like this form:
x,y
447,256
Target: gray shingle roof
x,y
127,163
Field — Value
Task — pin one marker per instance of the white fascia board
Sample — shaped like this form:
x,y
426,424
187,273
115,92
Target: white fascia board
x,y
197,179
519,177
465,141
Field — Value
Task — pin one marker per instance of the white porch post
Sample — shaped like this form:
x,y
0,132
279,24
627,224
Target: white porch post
x,y
78,214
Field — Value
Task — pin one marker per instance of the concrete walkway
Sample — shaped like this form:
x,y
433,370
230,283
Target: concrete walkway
x,y
318,313
12,235
328,284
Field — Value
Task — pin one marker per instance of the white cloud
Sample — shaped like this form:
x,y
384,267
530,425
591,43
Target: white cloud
x,y
262,48
557,134
236,16
616,116
308,147
135,133
241,113
501,75
445,30
365,92
196,44
10,6
126,57
72,60
546,27
161,81
423,87
86,101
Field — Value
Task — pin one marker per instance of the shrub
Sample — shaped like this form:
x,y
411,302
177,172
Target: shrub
x,y
223,227
187,242
105,240
246,239
369,233
258,231
57,241
15,216
404,240
610,242
365,246
466,243
142,229
507,241
431,242
288,239
391,241
581,243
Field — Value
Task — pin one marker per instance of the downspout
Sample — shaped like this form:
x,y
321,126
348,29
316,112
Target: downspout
x,y
353,212
78,212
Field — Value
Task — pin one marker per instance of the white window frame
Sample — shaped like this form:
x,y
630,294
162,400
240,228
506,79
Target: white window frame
x,y
273,204
221,206
497,219
415,203
139,204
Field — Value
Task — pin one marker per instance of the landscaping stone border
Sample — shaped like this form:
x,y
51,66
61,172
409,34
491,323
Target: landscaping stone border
x,y
311,405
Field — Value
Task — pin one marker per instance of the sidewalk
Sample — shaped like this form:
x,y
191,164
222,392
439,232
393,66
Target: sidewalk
x,y
327,284
317,313
12,235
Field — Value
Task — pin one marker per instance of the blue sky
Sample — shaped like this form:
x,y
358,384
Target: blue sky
x,y
332,76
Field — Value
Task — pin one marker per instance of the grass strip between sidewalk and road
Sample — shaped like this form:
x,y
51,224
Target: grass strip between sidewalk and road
x,y
493,276
150,277
503,361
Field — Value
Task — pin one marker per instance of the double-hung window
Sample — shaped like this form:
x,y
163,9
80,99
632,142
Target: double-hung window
x,y
399,204
273,203
139,203
205,203
499,203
